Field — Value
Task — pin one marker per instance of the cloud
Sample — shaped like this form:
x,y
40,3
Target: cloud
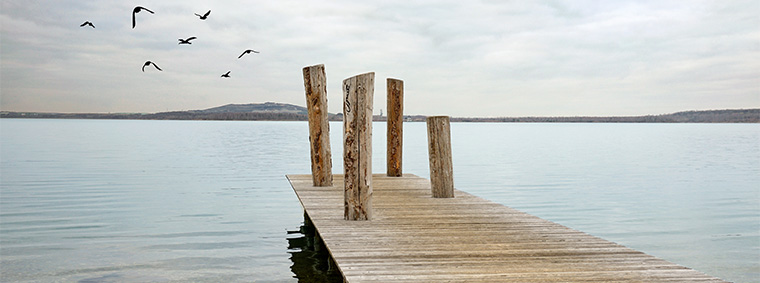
x,y
476,58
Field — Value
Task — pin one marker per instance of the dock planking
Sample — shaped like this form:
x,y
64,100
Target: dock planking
x,y
414,237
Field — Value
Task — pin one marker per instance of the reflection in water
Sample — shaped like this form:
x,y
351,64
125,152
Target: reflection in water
x,y
311,261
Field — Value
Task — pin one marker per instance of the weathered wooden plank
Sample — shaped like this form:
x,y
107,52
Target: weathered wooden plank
x,y
414,237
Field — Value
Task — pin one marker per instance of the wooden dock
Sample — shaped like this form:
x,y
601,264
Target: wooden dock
x,y
413,237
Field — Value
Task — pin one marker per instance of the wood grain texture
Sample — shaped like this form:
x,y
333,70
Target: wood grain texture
x,y
439,153
395,124
414,237
315,84
358,92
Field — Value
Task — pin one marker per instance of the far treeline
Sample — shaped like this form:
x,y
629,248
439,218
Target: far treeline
x,y
709,116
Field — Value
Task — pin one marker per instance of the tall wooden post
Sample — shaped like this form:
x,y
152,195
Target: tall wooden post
x,y
315,83
439,151
357,146
395,123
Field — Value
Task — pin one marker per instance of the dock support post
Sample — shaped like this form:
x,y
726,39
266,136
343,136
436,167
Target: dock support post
x,y
395,120
358,92
315,83
439,151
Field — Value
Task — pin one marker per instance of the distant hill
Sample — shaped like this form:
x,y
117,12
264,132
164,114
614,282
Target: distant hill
x,y
715,116
272,111
267,107
268,111
705,116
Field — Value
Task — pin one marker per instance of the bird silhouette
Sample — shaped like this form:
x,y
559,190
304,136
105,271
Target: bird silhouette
x,y
148,63
186,41
226,75
205,16
137,10
87,23
248,51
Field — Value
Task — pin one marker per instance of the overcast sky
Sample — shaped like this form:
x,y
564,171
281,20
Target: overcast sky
x,y
457,58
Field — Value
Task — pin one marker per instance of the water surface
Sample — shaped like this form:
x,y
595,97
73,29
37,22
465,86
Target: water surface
x,y
110,200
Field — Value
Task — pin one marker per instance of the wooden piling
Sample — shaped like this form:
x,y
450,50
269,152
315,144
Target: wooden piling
x,y
395,123
439,152
315,83
358,92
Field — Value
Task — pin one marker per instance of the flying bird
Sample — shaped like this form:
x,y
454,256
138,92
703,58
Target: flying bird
x,y
226,75
148,63
204,15
87,23
247,52
137,10
186,41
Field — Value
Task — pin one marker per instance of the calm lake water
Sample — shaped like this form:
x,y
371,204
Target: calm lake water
x,y
112,201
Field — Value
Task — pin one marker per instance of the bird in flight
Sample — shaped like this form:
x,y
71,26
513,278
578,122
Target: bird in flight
x,y
247,52
137,10
148,63
186,41
204,16
87,23
226,75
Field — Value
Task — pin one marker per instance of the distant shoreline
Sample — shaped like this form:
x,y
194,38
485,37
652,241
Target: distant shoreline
x,y
707,116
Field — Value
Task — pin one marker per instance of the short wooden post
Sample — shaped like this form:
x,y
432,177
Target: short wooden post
x,y
439,151
314,81
358,92
395,125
